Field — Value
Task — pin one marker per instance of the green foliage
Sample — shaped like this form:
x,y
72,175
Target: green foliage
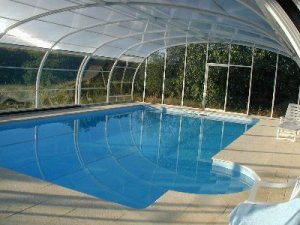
x,y
287,87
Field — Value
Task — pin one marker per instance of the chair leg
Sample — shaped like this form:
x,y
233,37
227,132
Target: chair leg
x,y
278,130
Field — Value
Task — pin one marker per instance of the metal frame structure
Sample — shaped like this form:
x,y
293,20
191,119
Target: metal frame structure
x,y
269,28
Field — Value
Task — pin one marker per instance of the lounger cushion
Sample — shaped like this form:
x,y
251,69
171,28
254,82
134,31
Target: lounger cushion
x,y
287,213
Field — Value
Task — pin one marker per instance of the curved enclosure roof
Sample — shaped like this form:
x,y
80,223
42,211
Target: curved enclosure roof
x,y
131,30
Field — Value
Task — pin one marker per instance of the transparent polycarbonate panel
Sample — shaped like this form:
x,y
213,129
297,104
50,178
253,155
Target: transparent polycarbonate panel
x,y
103,13
18,70
109,51
59,60
73,48
92,96
56,97
17,78
39,31
154,79
129,74
94,79
218,53
5,23
115,88
126,88
113,29
86,38
238,89
118,74
126,42
51,5
96,73
23,40
287,86
18,11
177,41
69,18
194,79
233,8
104,63
262,83
12,99
122,98
17,57
174,75
241,55
58,79
138,87
149,47
216,87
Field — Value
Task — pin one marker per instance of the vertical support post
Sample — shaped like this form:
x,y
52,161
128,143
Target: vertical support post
x,y
274,86
79,79
250,82
227,79
299,96
205,77
38,79
145,79
184,72
108,81
133,80
164,78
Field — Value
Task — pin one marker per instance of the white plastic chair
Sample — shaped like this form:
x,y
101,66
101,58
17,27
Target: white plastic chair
x,y
289,124
251,212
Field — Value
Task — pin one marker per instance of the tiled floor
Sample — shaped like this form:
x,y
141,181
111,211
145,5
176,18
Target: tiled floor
x,y
25,200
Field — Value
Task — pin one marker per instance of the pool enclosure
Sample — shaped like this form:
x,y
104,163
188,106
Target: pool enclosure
x,y
232,55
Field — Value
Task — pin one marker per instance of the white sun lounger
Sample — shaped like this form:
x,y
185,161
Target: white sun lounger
x,y
289,124
258,213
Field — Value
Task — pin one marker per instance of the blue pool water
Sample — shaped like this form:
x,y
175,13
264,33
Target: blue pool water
x,y
130,156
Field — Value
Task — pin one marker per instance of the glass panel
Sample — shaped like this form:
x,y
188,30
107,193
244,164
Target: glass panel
x,y
58,79
126,88
194,79
218,53
57,84
50,97
287,86
91,96
155,71
262,83
18,70
241,55
129,74
16,100
59,60
115,88
118,74
174,75
238,89
216,87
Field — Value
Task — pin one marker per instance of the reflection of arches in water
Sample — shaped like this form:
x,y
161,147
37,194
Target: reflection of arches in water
x,y
88,172
36,150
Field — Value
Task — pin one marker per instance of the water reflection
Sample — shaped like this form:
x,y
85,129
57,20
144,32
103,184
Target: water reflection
x,y
131,158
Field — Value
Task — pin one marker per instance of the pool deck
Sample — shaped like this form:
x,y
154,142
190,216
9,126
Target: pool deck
x,y
26,200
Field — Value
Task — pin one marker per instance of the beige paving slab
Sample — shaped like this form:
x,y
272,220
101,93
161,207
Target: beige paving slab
x,y
25,200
